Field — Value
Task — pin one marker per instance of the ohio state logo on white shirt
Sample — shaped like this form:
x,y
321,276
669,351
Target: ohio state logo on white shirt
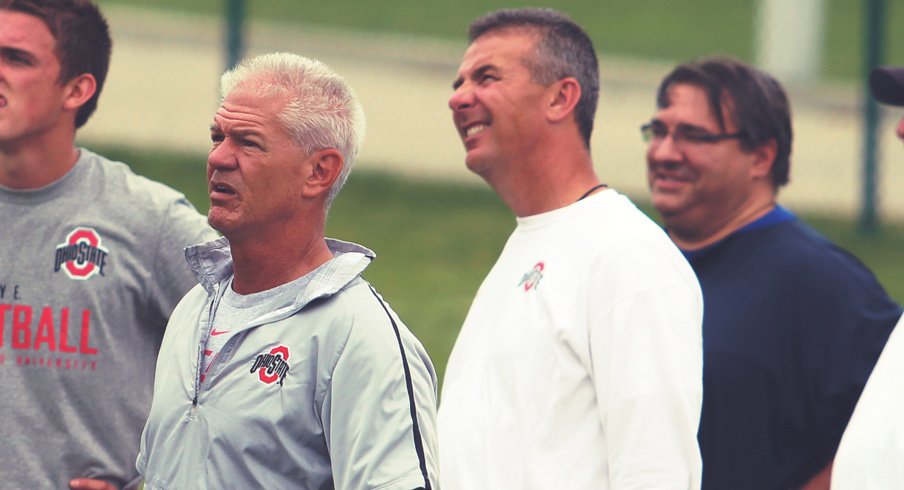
x,y
272,366
81,255
531,279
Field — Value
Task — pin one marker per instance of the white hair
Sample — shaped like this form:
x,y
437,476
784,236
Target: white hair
x,y
321,110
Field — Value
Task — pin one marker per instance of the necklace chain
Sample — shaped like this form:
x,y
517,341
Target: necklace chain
x,y
590,191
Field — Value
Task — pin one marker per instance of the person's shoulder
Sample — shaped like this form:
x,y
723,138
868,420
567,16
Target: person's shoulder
x,y
809,260
194,300
796,243
376,335
364,306
119,180
129,198
369,317
625,250
614,217
622,227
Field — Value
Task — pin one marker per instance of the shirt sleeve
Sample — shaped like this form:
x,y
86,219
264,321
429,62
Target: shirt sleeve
x,y
171,277
379,411
844,320
647,370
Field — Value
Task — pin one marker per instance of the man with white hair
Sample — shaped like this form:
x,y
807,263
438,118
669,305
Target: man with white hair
x,y
284,368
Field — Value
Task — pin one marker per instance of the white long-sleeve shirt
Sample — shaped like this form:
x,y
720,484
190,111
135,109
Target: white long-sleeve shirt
x,y
579,364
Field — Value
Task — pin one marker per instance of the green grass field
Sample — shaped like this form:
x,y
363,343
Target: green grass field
x,y
436,241
668,30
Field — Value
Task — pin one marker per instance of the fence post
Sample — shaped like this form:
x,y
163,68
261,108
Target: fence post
x,y
790,40
873,56
235,20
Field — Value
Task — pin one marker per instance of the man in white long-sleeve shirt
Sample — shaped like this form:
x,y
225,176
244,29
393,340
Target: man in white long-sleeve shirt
x,y
579,364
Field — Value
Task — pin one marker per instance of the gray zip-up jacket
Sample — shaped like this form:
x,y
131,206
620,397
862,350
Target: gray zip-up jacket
x,y
332,391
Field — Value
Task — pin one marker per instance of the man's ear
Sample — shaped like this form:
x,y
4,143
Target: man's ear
x,y
78,91
326,165
563,97
764,158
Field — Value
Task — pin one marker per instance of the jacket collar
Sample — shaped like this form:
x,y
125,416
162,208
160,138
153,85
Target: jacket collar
x,y
212,264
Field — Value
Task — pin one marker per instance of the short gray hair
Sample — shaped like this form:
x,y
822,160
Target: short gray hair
x,y
563,50
321,110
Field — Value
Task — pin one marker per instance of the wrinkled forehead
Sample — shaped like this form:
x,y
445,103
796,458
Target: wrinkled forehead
x,y
247,107
507,46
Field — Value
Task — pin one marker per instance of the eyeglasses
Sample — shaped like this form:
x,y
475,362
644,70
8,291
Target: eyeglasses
x,y
655,132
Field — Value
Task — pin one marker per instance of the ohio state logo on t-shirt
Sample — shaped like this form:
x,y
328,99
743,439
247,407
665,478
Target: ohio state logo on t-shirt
x,y
531,279
273,365
81,255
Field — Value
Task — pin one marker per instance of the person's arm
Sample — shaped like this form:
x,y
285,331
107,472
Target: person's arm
x,y
90,484
95,484
820,481
379,411
845,321
648,370
179,227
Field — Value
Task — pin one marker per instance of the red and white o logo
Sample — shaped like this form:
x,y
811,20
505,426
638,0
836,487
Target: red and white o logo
x,y
276,368
82,255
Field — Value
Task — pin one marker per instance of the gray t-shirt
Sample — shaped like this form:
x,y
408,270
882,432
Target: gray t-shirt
x,y
91,268
236,310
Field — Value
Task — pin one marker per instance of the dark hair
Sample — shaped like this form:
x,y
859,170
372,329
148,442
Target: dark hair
x,y
563,50
82,37
754,100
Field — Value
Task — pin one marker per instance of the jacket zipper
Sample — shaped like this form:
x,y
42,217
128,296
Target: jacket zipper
x,y
210,309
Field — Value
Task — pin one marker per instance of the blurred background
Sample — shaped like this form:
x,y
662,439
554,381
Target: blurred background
x,y
436,228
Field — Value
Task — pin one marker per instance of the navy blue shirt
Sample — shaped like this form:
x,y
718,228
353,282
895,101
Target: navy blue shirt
x,y
792,327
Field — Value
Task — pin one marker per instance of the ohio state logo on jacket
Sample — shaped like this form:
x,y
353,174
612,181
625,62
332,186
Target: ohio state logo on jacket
x,y
81,255
273,365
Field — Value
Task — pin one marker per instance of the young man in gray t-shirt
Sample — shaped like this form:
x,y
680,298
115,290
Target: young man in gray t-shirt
x,y
90,261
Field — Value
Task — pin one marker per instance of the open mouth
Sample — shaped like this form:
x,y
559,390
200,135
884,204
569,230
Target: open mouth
x,y
218,188
475,129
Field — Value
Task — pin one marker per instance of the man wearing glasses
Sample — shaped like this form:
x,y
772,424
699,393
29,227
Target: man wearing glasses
x,y
792,324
